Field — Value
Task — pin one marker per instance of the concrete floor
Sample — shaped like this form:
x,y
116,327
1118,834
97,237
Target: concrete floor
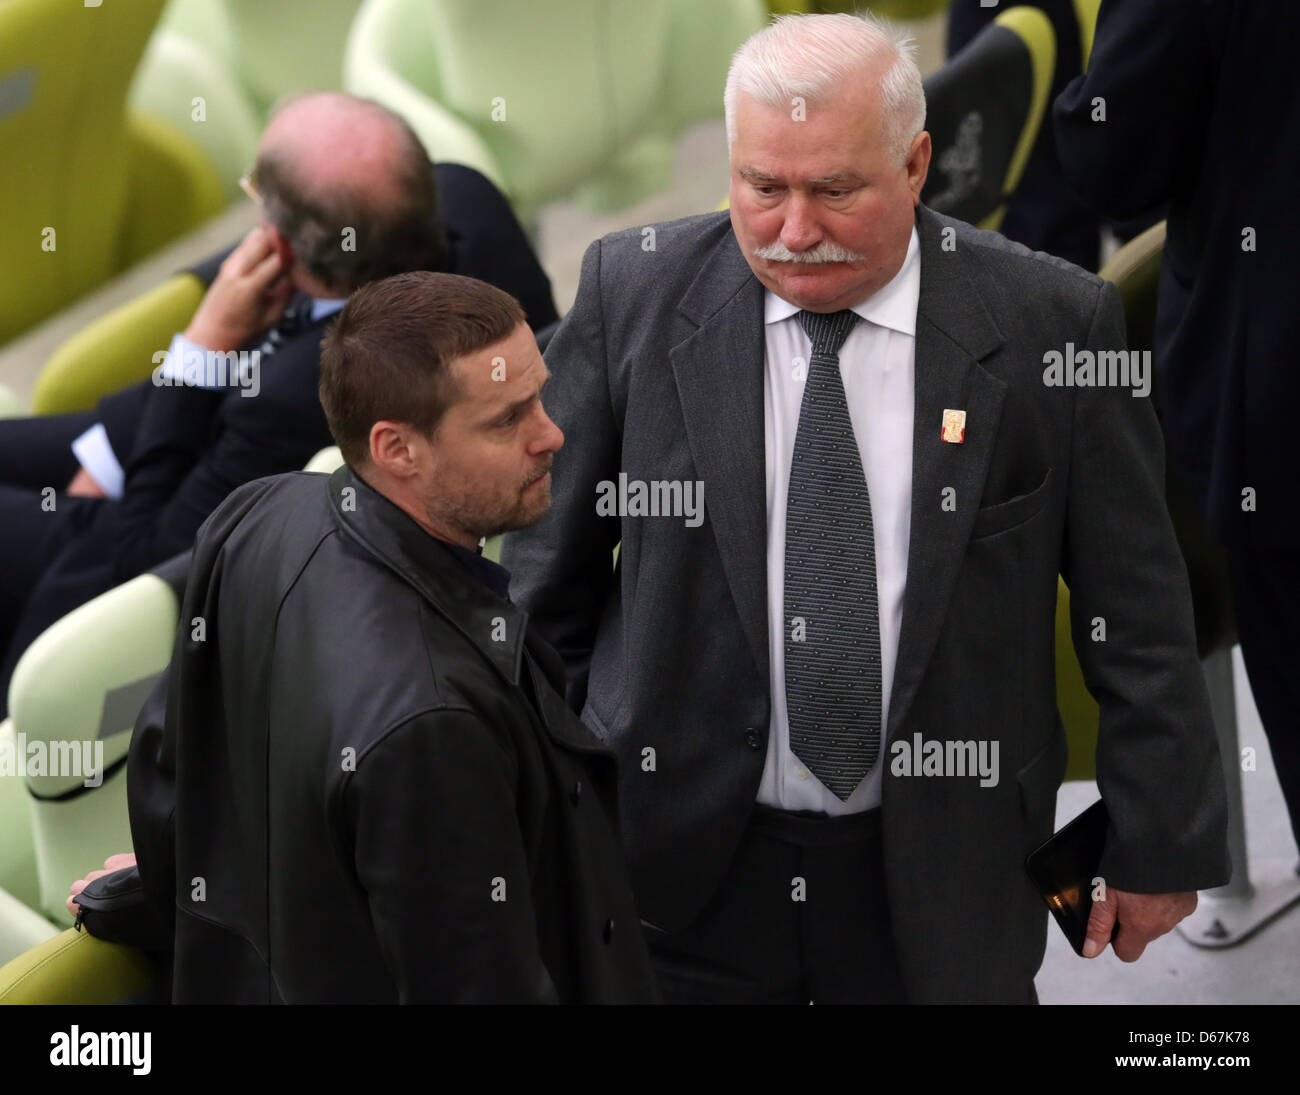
x,y
1264,969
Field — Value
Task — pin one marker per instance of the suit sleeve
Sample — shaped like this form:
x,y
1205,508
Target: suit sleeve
x,y
440,854
1153,66
178,473
1158,764
561,568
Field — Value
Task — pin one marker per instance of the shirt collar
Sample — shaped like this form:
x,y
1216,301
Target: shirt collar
x,y
322,307
893,305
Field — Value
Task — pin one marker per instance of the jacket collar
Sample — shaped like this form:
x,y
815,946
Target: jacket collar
x,y
493,625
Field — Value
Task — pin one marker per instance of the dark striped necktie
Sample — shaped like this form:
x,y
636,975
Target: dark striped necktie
x,y
296,317
832,623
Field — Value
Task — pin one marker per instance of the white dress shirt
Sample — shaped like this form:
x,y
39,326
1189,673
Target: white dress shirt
x,y
878,366
94,451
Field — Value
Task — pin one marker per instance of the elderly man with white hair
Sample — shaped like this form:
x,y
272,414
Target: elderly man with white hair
x,y
833,698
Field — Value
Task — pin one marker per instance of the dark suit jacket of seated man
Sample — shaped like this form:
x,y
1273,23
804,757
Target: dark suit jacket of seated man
x,y
365,785
987,480
184,448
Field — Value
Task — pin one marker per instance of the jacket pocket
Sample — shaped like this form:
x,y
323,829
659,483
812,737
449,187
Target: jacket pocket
x,y
991,520
1040,779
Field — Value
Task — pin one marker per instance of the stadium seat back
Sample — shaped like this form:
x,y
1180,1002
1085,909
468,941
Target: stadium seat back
x,y
21,928
1086,13
596,125
64,73
117,349
17,856
289,45
74,699
703,37
73,967
325,461
190,87
984,109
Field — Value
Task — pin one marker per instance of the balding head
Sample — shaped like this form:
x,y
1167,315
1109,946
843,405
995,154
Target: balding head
x,y
348,186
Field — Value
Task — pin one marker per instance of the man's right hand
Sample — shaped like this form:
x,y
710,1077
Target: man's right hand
x,y
111,864
249,295
84,485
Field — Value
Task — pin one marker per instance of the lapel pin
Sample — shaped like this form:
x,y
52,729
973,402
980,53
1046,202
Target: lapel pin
x,y
954,426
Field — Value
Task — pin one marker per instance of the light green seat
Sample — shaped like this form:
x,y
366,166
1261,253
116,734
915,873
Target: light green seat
x,y
17,853
81,173
238,57
569,98
704,37
173,188
10,405
326,460
117,349
21,928
284,46
74,967
187,85
83,680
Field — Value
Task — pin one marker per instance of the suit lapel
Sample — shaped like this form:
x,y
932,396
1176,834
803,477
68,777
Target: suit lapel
x,y
719,374
953,332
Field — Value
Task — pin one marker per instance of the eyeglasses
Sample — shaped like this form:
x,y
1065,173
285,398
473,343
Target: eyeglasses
x,y
247,183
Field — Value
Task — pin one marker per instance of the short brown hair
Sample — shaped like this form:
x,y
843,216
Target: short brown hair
x,y
387,354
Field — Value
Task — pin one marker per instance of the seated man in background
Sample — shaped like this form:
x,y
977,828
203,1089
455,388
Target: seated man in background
x,y
347,197
362,783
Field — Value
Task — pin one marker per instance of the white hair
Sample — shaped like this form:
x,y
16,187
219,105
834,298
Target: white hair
x,y
810,56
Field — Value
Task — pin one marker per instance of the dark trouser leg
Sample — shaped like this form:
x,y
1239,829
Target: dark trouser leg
x,y
1266,589
801,917
33,536
848,942
744,947
37,451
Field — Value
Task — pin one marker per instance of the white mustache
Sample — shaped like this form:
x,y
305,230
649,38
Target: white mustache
x,y
823,252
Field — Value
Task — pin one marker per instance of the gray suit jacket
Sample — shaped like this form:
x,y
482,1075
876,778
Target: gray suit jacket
x,y
658,373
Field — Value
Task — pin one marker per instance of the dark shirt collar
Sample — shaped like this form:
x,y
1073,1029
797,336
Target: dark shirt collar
x,y
491,574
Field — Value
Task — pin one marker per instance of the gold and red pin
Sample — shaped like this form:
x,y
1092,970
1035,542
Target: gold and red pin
x,y
954,426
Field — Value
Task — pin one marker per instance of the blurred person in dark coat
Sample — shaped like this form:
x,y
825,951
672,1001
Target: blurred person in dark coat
x,y
1196,103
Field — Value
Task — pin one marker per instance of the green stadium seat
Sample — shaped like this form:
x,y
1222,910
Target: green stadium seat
x,y
599,127
984,109
80,686
186,85
73,967
112,187
117,349
10,405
